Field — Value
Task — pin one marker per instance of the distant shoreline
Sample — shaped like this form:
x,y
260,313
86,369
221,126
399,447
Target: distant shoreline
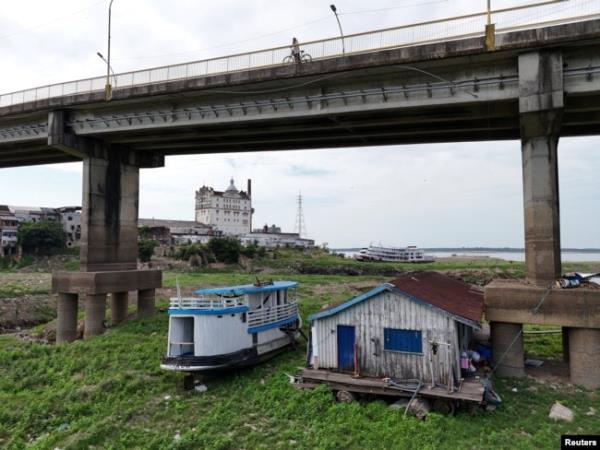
x,y
481,249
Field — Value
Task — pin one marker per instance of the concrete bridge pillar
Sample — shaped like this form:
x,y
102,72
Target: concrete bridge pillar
x,y
109,213
541,101
66,327
584,357
145,302
109,220
119,302
507,348
95,312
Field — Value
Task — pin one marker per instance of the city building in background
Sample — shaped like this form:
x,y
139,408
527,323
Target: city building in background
x,y
229,211
178,232
70,219
8,231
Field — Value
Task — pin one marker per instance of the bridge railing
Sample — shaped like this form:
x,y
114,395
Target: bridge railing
x,y
470,25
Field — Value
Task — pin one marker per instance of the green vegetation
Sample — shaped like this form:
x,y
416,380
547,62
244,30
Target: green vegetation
x,y
109,392
8,290
542,345
10,263
41,238
226,249
146,249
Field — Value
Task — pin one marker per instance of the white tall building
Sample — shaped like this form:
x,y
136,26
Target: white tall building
x,y
229,211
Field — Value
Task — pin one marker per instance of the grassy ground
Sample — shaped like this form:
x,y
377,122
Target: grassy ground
x,y
109,392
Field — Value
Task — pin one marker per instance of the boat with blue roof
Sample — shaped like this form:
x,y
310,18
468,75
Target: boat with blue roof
x,y
230,327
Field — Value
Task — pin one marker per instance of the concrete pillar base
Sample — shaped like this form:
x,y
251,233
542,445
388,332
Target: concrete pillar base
x,y
119,301
95,311
145,302
565,344
584,357
66,328
512,363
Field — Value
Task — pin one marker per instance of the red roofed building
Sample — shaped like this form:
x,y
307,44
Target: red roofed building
x,y
415,326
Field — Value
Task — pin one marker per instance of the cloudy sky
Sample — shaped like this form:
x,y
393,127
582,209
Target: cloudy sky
x,y
429,195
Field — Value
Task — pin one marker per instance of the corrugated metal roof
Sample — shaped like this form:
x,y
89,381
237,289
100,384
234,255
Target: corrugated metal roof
x,y
447,293
452,296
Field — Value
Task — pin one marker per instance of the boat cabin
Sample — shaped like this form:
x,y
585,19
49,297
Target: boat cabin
x,y
414,327
231,326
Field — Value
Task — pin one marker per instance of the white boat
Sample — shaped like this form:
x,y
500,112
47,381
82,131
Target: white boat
x,y
230,327
410,254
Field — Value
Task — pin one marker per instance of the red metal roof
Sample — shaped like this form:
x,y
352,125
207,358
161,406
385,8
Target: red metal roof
x,y
447,293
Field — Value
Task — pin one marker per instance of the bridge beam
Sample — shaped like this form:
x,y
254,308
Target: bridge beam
x,y
60,138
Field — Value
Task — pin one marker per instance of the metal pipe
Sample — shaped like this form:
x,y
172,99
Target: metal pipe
x,y
489,13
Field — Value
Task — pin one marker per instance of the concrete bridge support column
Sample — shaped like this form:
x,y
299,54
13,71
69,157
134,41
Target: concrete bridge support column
x,y
66,328
119,301
145,302
95,312
507,348
109,214
565,343
541,106
584,357
109,220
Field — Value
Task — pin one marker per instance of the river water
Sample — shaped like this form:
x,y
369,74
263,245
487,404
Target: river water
x,y
508,256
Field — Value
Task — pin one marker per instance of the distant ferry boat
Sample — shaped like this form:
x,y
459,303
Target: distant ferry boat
x,y
410,254
230,327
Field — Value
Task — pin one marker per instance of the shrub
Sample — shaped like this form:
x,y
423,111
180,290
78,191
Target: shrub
x,y
42,237
186,251
146,249
249,250
226,250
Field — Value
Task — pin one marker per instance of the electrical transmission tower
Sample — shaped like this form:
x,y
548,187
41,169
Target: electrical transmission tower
x,y
300,226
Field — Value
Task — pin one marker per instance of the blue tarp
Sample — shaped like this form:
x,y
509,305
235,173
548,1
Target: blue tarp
x,y
248,288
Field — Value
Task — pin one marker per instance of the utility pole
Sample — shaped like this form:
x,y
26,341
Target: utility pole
x,y
300,222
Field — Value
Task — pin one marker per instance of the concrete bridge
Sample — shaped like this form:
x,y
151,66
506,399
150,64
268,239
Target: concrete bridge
x,y
532,84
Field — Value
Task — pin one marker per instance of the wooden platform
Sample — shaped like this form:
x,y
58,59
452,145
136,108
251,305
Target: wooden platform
x,y
471,390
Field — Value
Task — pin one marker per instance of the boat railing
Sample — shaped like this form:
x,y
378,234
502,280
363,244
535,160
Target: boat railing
x,y
207,302
272,314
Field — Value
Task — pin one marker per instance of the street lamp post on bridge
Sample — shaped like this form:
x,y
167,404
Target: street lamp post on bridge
x,y
334,9
108,86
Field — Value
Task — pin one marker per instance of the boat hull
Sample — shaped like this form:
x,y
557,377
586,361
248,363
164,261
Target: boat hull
x,y
230,361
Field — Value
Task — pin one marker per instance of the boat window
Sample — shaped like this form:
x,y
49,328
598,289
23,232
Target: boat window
x,y
243,317
219,316
278,298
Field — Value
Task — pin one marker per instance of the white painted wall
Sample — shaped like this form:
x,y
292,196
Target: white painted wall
x,y
220,335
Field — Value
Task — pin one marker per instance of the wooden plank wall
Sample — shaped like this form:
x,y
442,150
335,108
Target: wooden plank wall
x,y
389,310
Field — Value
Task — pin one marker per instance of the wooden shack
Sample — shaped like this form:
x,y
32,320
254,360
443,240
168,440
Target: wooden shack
x,y
413,327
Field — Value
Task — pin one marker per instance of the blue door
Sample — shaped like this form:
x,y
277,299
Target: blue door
x,y
345,343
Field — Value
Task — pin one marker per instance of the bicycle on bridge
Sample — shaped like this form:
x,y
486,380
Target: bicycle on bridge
x,y
298,56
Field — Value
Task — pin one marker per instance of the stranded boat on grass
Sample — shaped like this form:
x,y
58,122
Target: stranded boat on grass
x,y
230,327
